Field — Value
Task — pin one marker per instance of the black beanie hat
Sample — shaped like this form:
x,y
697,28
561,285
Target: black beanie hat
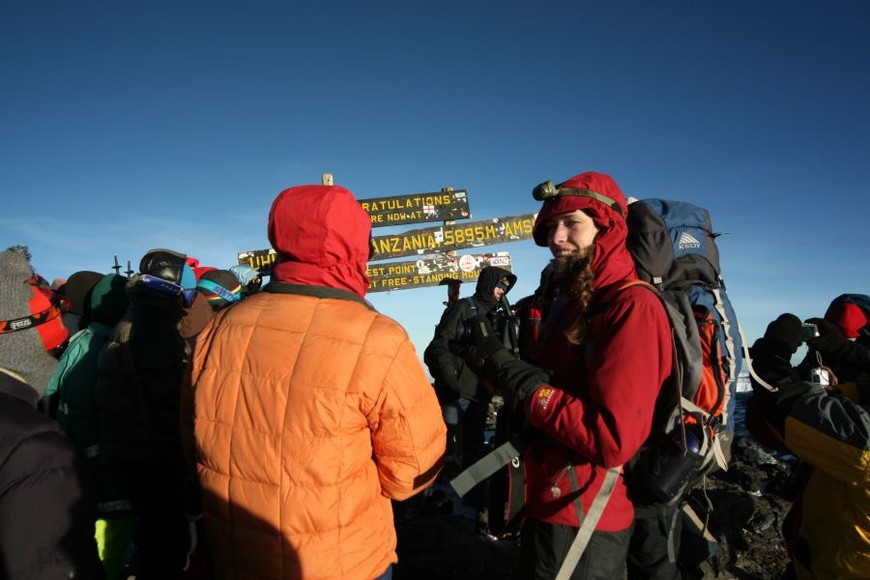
x,y
787,329
78,289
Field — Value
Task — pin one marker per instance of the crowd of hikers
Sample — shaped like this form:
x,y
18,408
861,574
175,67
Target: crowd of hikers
x,y
189,422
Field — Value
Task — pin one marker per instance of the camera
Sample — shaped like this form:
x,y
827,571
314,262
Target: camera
x,y
820,376
808,331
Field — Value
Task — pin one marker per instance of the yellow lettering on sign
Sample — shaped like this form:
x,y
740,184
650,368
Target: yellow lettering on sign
x,y
418,242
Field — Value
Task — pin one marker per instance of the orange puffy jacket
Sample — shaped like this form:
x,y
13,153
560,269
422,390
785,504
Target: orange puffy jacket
x,y
311,413
312,410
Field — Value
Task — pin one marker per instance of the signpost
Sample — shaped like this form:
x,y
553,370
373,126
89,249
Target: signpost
x,y
417,208
260,260
431,270
453,237
434,247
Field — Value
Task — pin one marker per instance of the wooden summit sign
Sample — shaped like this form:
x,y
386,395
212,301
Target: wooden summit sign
x,y
429,271
259,260
417,208
453,237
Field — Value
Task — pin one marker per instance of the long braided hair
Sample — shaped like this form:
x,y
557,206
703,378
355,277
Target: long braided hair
x,y
571,277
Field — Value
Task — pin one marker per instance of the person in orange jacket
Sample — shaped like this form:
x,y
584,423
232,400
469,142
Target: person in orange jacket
x,y
311,410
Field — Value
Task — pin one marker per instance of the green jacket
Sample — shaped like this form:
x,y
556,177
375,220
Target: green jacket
x,y
75,382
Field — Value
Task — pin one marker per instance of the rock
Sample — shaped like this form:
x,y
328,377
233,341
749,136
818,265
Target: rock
x,y
750,502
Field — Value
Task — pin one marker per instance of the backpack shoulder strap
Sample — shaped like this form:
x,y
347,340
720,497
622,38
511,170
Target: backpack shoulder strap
x,y
471,303
587,526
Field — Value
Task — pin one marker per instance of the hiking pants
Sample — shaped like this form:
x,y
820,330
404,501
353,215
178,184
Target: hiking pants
x,y
543,548
655,542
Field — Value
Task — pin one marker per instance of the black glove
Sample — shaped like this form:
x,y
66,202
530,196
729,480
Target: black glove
x,y
847,358
514,376
830,343
485,341
771,361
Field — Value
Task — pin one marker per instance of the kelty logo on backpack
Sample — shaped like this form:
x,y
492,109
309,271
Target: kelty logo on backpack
x,y
687,241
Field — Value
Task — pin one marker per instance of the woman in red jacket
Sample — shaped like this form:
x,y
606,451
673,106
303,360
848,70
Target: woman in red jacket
x,y
607,351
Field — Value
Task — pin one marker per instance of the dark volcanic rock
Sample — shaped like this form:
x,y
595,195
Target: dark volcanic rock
x,y
749,502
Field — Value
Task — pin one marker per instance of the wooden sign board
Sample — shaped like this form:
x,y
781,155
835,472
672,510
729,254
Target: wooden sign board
x,y
430,270
417,208
453,237
260,260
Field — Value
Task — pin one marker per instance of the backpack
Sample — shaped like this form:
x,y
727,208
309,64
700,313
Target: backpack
x,y
673,246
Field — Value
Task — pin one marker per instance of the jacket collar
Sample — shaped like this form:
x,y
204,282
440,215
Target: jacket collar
x,y
315,291
12,385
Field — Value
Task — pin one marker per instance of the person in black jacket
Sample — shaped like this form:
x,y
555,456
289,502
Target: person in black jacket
x,y
47,506
453,363
138,395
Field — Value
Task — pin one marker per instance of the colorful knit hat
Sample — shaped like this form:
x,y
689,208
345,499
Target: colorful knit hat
x,y
220,287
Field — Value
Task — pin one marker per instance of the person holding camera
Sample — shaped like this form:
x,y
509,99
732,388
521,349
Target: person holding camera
x,y
453,363
841,341
607,350
827,427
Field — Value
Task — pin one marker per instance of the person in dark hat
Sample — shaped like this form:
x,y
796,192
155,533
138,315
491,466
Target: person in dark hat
x,y
455,366
607,351
139,379
77,291
47,506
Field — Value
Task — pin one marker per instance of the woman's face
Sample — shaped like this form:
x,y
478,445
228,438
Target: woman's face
x,y
571,233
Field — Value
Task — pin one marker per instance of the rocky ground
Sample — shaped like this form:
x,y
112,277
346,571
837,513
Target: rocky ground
x,y
438,537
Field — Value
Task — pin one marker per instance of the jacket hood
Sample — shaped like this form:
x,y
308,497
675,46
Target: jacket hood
x,y
321,235
612,261
109,299
489,277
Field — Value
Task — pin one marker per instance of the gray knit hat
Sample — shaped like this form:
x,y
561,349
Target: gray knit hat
x,y
30,322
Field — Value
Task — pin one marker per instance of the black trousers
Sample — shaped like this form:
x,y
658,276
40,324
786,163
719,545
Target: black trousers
x,y
649,550
162,531
544,547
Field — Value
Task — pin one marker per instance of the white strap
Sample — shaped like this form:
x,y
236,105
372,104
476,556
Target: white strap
x,y
584,534
748,359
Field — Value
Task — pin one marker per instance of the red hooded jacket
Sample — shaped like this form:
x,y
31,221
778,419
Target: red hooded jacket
x,y
598,410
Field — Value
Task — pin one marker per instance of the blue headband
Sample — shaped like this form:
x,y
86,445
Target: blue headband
x,y
219,290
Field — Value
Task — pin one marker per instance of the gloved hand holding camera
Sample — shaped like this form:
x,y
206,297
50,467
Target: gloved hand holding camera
x,y
771,360
830,342
850,359
501,367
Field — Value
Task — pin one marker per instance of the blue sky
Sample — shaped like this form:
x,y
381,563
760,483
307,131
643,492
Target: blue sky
x,y
131,125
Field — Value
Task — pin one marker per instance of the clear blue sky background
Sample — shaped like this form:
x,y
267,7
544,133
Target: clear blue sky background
x,y
131,125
